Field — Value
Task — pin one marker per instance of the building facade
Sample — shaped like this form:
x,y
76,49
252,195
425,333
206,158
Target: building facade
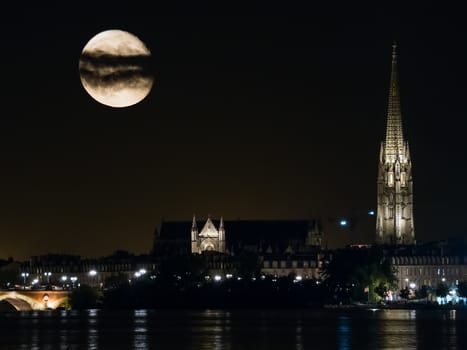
x,y
68,271
280,247
429,265
416,271
209,239
394,222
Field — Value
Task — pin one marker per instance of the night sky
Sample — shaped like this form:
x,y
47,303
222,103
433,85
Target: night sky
x,y
265,111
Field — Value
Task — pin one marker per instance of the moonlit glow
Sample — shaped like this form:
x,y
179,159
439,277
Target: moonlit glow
x,y
114,68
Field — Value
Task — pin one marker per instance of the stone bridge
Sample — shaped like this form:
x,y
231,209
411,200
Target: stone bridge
x,y
34,300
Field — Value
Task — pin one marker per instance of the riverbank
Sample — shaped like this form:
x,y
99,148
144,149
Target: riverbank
x,y
397,306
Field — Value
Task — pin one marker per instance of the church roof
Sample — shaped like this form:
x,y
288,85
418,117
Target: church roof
x,y
209,229
244,232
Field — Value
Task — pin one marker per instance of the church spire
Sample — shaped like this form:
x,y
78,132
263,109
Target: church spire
x,y
394,220
193,224
221,224
194,229
222,236
394,145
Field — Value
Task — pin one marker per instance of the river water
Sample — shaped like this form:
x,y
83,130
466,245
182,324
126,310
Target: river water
x,y
237,329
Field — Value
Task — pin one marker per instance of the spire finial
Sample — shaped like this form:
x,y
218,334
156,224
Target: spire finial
x,y
394,138
221,224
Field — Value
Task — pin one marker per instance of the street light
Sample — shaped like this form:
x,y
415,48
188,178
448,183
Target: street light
x,y
94,281
24,274
73,280
48,274
64,278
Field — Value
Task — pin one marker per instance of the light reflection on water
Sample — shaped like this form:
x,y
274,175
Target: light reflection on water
x,y
239,329
343,333
93,329
298,336
140,341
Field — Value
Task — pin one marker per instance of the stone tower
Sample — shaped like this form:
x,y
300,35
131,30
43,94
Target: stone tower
x,y
394,222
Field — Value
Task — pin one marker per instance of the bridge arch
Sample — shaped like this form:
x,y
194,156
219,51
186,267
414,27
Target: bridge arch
x,y
17,304
21,302
34,300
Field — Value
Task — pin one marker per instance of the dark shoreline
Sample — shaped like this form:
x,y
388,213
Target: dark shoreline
x,y
399,306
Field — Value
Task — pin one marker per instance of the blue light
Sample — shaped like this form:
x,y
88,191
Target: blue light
x,y
371,212
343,223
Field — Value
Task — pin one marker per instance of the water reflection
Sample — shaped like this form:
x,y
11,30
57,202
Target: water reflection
x,y
343,333
35,341
452,314
63,325
213,328
299,335
238,329
140,338
398,329
93,329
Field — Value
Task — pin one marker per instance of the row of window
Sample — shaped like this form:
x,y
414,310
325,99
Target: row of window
x,y
432,271
288,264
87,268
427,282
425,260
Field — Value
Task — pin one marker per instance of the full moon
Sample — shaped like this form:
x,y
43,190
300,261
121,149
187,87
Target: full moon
x,y
114,68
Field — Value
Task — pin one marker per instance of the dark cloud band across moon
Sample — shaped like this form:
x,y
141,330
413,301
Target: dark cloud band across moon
x,y
115,68
106,69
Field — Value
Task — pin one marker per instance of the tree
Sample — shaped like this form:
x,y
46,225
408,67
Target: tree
x,y
116,280
9,274
382,289
423,292
349,271
405,293
441,290
189,267
462,289
84,297
378,276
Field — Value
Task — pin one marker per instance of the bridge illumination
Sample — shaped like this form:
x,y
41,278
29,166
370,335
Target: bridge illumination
x,y
34,300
